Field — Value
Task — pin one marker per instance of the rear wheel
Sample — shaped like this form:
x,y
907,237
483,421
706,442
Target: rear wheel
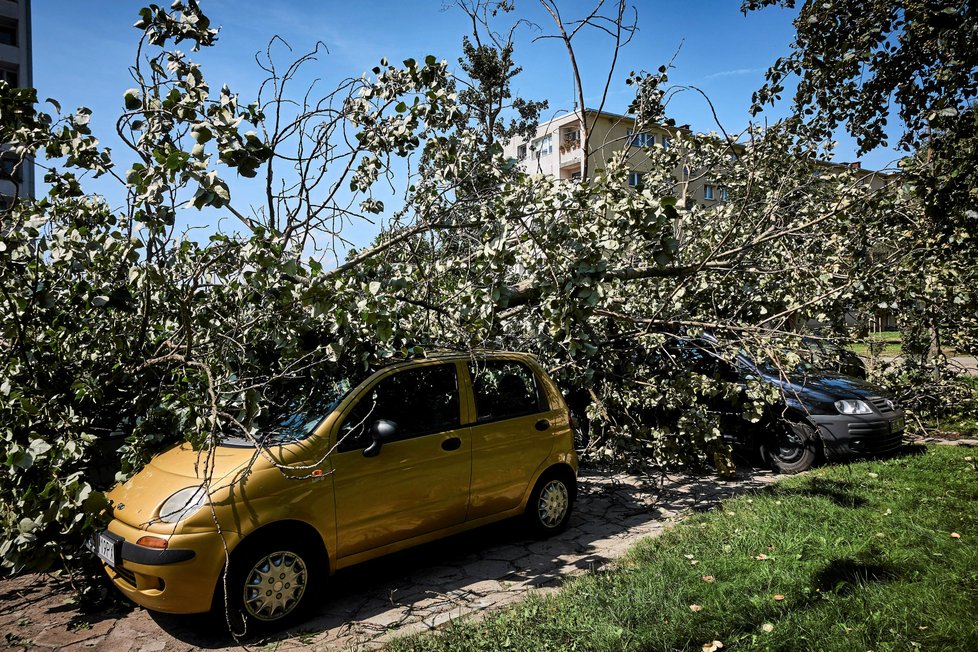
x,y
549,507
792,448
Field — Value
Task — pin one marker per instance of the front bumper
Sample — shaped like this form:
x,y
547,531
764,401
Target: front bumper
x,y
180,579
846,436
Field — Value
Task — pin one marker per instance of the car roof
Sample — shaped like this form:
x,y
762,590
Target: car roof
x,y
447,355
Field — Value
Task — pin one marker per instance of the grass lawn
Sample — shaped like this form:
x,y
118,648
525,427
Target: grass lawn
x,y
892,345
876,555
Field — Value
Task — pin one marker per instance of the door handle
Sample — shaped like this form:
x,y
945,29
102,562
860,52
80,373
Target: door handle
x,y
451,444
542,425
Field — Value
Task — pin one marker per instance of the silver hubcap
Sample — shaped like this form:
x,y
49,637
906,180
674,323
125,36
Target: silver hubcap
x,y
275,585
553,503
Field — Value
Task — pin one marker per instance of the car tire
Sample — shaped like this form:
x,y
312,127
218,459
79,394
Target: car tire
x,y
550,504
269,585
792,448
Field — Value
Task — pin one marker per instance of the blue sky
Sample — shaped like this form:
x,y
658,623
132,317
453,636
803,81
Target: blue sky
x,y
82,52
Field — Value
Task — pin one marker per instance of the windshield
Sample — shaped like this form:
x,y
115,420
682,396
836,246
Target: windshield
x,y
768,365
298,418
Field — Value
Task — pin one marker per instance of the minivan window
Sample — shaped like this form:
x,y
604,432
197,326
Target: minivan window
x,y
505,389
421,401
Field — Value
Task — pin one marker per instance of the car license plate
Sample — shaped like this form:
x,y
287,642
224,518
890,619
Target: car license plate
x,y
897,425
106,547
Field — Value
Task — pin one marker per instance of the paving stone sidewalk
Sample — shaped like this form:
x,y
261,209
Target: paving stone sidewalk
x,y
419,589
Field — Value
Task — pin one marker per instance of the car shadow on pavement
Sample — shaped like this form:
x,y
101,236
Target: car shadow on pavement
x,y
421,588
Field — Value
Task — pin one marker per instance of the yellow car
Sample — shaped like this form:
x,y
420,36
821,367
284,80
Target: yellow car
x,y
420,450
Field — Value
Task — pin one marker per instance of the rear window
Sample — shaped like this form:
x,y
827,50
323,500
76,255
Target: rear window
x,y
505,389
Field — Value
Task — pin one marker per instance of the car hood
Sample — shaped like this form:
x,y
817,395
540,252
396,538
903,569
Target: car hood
x,y
136,502
821,390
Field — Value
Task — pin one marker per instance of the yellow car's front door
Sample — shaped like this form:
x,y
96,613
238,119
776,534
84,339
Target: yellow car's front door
x,y
414,481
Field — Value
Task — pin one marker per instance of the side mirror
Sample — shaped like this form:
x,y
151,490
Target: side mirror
x,y
381,430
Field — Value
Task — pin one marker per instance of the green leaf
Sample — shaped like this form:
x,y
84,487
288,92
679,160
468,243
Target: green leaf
x,y
39,447
132,99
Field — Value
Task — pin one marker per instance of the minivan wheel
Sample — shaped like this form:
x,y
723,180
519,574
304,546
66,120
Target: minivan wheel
x,y
549,507
791,448
268,586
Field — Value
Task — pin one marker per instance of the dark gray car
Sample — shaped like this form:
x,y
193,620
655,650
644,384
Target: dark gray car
x,y
848,416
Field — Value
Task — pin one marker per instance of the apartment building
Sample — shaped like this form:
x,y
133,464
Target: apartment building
x,y
16,179
557,150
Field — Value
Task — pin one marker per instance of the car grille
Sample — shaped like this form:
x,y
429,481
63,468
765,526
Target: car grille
x,y
125,574
875,438
881,404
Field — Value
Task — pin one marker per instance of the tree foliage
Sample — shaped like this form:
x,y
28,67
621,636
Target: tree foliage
x,y
855,60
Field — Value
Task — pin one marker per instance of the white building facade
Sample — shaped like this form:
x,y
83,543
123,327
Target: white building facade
x,y
16,179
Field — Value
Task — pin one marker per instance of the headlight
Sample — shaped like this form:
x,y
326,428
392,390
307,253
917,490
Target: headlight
x,y
182,504
852,407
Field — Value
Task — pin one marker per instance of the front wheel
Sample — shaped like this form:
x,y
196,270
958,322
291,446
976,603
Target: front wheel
x,y
791,448
549,507
268,586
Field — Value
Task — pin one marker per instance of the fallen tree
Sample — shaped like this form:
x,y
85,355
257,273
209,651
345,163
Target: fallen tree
x,y
121,333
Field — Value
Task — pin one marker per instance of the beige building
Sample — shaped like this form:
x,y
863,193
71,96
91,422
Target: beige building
x,y
557,150
15,69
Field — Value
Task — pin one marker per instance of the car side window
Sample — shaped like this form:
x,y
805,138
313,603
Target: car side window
x,y
708,364
505,389
420,401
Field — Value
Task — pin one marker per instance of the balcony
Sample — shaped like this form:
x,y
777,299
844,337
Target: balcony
x,y
571,157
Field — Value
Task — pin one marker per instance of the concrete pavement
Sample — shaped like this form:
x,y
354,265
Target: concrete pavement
x,y
413,591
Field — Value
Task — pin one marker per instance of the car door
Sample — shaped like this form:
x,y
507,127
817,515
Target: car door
x,y
512,434
418,482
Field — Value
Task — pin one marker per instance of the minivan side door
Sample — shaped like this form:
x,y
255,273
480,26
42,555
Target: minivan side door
x,y
512,435
419,480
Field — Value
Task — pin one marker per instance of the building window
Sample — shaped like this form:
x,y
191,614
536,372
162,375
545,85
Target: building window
x,y
9,170
634,179
8,32
708,192
544,146
666,142
521,152
9,75
724,195
640,140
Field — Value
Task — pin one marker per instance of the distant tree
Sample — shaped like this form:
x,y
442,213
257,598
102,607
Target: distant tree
x,y
857,60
